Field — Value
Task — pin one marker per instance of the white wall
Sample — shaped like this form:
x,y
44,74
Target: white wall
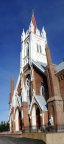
x,y
17,120
40,57
10,122
33,117
32,39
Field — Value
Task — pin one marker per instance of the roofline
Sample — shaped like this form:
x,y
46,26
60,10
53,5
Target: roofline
x,y
60,72
43,72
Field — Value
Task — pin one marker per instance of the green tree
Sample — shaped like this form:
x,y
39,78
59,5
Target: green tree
x,y
4,126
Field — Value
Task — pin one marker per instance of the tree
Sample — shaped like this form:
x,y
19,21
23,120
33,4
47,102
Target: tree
x,y
4,126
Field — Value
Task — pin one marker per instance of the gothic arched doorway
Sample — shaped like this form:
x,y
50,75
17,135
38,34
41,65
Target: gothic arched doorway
x,y
33,117
38,119
16,120
51,114
20,121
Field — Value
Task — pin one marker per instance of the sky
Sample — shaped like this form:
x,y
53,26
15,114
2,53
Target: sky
x,y
14,16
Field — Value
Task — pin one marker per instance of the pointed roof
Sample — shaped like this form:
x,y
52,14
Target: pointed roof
x,y
40,101
60,67
34,22
39,65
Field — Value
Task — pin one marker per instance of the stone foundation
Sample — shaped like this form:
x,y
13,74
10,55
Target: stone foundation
x,y
49,138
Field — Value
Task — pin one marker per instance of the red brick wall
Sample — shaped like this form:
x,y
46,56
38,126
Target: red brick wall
x,y
61,83
49,83
25,114
38,78
11,90
45,117
55,108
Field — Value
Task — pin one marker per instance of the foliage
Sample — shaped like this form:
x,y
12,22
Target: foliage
x,y
4,126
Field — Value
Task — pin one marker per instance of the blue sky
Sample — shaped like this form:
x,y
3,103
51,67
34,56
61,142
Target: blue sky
x,y
14,16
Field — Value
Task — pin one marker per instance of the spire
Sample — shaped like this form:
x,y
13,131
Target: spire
x,y
33,12
12,90
23,35
49,59
33,21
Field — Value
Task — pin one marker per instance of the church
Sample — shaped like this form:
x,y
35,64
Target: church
x,y
38,98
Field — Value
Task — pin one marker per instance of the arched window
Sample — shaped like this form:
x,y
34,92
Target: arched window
x,y
42,90
26,50
39,50
28,90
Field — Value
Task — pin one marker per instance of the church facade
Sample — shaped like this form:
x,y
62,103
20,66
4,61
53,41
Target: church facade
x,y
38,97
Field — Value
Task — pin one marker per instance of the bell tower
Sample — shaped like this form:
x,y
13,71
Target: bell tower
x,y
33,45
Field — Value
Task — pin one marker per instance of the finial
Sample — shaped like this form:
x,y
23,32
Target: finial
x,y
23,30
33,21
32,12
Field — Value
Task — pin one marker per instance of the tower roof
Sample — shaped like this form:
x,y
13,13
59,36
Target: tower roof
x,y
34,22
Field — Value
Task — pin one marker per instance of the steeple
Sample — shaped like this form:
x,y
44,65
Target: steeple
x,y
33,44
49,59
12,90
33,21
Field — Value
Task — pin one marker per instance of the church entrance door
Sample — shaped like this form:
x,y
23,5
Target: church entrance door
x,y
38,120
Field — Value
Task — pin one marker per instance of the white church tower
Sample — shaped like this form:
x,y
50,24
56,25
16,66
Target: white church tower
x,y
32,45
29,87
